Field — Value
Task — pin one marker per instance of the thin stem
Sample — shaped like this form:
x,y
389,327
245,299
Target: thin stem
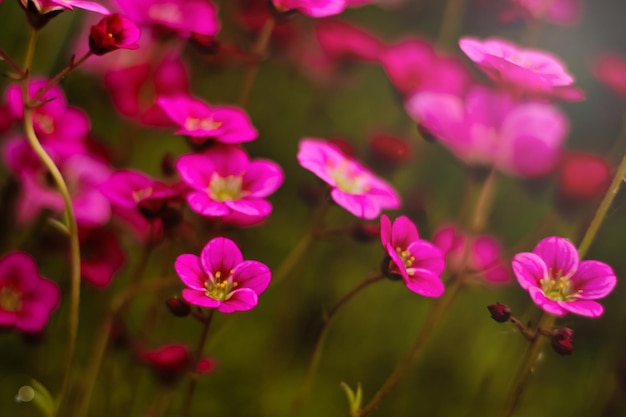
x,y
531,356
452,17
73,65
258,51
194,373
70,220
485,198
319,345
12,63
434,317
602,209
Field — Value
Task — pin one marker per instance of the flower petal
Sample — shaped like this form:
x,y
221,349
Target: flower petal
x,y
385,230
529,268
240,300
200,298
403,232
220,254
360,205
424,282
545,303
427,256
189,269
196,170
559,255
262,178
252,274
585,308
201,203
250,207
593,279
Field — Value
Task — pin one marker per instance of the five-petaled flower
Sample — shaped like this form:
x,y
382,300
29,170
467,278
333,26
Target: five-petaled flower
x,y
559,282
354,187
113,32
417,261
26,298
221,279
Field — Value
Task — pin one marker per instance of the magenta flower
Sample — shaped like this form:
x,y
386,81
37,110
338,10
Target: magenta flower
x,y
171,361
417,261
197,119
225,183
561,12
47,6
489,128
101,256
340,40
185,17
484,255
559,282
113,32
529,71
354,187
583,176
413,65
26,298
312,8
221,279
611,70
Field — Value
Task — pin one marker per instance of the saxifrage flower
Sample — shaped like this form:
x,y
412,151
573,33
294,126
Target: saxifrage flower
x,y
559,282
221,279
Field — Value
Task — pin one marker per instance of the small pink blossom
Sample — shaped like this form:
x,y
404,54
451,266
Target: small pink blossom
x,y
490,128
221,279
417,261
530,71
48,6
195,118
561,12
101,256
414,65
26,298
559,282
583,176
113,32
171,361
611,70
225,183
341,40
312,8
484,254
354,187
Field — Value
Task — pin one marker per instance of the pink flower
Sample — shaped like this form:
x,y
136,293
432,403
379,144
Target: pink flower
x,y
226,183
197,119
47,6
413,65
562,12
185,17
342,40
101,256
611,70
113,32
484,254
221,279
559,283
529,71
489,128
583,177
26,298
312,8
354,187
417,261
171,361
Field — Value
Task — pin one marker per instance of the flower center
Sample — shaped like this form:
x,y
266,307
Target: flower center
x,y
219,287
196,123
225,188
407,260
347,180
44,122
142,194
558,289
10,299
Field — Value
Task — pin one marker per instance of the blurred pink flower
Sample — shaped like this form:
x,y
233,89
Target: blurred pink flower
x,y
489,128
484,254
185,17
417,261
199,120
171,361
583,176
26,298
414,65
559,282
312,8
113,32
225,183
561,12
101,256
611,70
340,40
221,279
354,187
525,71
47,6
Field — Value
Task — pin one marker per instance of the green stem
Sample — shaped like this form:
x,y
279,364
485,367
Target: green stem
x,y
452,17
531,356
434,318
70,220
258,51
483,203
73,65
194,372
317,352
598,218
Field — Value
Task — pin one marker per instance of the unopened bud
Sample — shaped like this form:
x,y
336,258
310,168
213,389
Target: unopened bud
x,y
562,342
178,306
389,150
366,232
499,312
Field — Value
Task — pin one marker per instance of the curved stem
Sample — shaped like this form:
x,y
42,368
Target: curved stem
x,y
452,17
434,317
531,356
194,372
485,198
70,220
73,65
258,51
319,344
602,209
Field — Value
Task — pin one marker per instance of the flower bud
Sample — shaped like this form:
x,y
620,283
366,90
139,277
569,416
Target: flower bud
x,y
583,177
366,232
113,32
499,312
178,306
562,342
389,150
